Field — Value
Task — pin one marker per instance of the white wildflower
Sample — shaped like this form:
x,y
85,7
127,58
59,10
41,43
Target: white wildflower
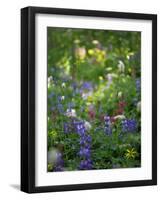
x,y
85,95
62,98
87,125
121,66
80,52
119,94
119,117
63,85
52,155
95,42
50,81
70,113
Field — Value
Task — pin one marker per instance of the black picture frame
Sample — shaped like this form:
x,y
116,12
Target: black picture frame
x,y
28,98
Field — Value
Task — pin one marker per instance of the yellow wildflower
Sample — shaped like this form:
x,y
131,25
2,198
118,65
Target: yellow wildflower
x,y
130,153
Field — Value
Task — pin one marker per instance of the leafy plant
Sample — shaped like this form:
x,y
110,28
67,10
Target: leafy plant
x,y
94,99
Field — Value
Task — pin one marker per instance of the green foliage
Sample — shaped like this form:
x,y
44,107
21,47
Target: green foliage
x,y
110,62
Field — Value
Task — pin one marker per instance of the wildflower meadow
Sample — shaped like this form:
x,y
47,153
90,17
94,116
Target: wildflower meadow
x,y
94,99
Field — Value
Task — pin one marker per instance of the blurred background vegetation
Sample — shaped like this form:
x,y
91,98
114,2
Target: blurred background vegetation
x,y
94,71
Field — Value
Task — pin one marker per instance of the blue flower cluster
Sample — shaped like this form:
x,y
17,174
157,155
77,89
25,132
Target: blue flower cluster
x,y
138,84
59,162
129,125
71,126
85,146
107,127
60,105
87,86
51,95
66,128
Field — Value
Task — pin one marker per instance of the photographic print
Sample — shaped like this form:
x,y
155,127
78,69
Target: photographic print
x,y
88,99
94,99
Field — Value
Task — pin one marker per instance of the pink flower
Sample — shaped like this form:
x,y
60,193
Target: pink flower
x,y
91,114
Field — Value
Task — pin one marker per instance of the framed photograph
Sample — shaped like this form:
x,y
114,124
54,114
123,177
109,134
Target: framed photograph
x,y
88,99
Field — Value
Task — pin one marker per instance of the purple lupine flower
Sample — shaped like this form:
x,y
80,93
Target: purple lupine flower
x,y
79,127
107,130
107,127
60,107
87,86
59,159
85,164
66,128
85,145
74,85
85,139
129,125
107,120
138,84
59,99
58,169
85,152
59,162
